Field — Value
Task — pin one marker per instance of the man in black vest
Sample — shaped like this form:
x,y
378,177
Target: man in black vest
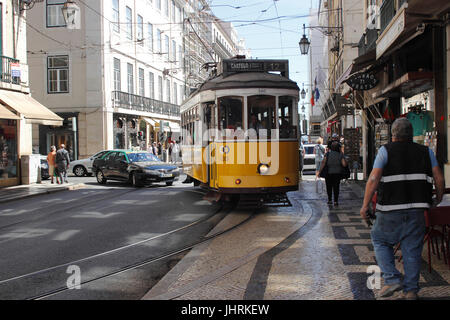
x,y
403,172
62,163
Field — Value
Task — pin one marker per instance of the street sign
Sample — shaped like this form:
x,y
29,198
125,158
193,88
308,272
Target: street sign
x,y
15,69
362,81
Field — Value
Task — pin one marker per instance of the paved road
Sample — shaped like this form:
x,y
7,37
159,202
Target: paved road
x,y
50,230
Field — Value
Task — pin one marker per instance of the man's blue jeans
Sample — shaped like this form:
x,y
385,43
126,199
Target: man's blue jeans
x,y
408,228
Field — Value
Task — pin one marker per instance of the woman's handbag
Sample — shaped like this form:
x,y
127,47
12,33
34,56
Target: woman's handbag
x,y
345,172
324,172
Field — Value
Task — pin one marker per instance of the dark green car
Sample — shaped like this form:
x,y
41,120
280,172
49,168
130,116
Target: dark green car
x,y
136,167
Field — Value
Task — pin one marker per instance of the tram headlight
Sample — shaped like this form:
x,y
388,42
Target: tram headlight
x,y
263,168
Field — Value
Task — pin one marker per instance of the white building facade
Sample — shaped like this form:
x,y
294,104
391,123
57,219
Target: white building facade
x,y
113,80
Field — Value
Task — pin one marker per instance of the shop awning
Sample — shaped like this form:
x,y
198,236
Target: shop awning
x,y
31,109
6,114
151,122
170,126
408,85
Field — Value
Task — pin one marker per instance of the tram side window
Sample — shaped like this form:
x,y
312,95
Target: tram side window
x,y
261,115
230,115
288,128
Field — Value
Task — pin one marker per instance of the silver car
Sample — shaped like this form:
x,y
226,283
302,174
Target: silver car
x,y
83,167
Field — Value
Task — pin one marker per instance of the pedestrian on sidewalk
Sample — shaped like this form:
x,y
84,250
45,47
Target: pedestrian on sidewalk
x,y
51,160
334,161
403,173
319,152
62,163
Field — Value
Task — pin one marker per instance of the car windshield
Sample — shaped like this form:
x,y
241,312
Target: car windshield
x,y
309,150
142,157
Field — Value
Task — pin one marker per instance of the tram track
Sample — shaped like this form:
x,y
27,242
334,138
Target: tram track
x,y
64,208
162,256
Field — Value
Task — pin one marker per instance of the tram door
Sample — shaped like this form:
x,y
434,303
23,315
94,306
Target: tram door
x,y
210,124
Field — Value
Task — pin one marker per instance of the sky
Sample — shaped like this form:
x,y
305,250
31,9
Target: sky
x,y
267,36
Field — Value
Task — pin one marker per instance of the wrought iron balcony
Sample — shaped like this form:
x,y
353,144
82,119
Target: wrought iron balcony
x,y
6,73
368,41
139,103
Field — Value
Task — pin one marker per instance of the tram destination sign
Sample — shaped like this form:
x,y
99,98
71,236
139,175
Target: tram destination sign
x,y
241,65
362,81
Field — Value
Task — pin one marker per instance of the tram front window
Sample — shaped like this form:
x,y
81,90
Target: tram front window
x,y
261,115
230,115
286,119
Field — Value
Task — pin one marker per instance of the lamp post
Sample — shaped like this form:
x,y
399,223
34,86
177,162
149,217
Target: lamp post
x,y
303,92
71,14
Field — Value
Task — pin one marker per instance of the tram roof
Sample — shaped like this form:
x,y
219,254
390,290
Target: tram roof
x,y
248,80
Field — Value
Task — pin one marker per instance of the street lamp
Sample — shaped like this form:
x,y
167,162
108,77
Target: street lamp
x,y
304,43
303,108
303,92
71,14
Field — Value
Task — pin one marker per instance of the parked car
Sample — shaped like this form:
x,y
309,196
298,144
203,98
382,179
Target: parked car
x,y
136,167
44,168
309,161
83,167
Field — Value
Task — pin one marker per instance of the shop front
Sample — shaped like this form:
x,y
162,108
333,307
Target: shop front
x,y
18,113
126,132
66,134
9,157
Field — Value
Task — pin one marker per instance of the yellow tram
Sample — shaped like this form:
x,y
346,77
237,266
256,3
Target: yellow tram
x,y
240,130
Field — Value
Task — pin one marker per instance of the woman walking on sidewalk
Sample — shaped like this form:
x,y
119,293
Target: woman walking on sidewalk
x,y
51,159
334,161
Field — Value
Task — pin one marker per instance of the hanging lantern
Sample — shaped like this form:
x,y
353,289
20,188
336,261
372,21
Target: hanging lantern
x,y
71,14
304,43
303,93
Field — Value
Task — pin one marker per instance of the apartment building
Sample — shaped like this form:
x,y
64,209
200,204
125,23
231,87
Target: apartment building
x,y
117,80
18,110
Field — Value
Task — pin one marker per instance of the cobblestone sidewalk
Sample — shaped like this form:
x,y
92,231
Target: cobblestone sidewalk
x,y
310,251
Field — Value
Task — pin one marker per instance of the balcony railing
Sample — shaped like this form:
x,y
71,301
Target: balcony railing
x,y
368,41
6,74
139,103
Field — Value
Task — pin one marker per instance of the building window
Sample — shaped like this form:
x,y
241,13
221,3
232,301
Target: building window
x,y
58,74
152,85
160,88
115,15
140,30
180,57
166,8
158,40
129,21
55,17
141,82
168,90
174,51
175,93
167,52
150,37
130,78
117,84
173,11
158,4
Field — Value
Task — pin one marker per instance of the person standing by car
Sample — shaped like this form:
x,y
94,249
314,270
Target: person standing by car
x,y
319,151
334,160
301,158
51,160
403,173
62,163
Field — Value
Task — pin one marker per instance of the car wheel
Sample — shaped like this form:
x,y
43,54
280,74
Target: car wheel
x,y
135,181
79,171
169,183
100,177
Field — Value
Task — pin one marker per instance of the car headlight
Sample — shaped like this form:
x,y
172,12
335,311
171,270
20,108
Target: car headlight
x,y
263,168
